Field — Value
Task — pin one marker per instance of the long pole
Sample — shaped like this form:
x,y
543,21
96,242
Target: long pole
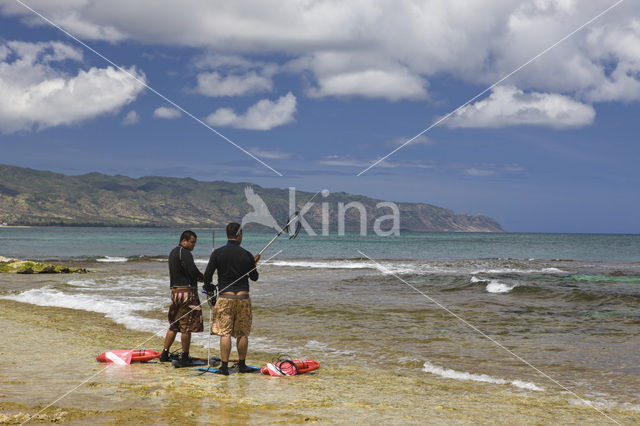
x,y
278,234
213,246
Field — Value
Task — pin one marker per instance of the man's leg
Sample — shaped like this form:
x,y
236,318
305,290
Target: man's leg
x,y
169,338
225,351
185,339
243,344
168,341
225,348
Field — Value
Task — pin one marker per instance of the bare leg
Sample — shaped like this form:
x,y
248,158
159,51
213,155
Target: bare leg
x,y
185,339
168,340
242,343
225,348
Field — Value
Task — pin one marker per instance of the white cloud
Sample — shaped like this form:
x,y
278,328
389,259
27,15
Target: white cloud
x,y
34,94
132,117
263,115
420,140
386,49
480,172
270,154
345,161
371,83
214,84
167,113
508,106
233,75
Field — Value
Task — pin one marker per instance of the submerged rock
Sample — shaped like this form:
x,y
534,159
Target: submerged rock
x,y
15,266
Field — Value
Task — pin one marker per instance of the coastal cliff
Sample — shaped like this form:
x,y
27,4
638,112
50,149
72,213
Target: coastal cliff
x,y
41,198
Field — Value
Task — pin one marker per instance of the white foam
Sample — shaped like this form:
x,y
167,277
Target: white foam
x,y
475,279
462,375
338,264
110,259
118,283
498,287
518,271
120,311
386,268
603,404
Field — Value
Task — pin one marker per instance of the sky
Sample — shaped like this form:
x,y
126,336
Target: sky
x,y
535,102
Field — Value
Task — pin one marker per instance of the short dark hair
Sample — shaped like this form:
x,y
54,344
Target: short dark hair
x,y
186,235
233,229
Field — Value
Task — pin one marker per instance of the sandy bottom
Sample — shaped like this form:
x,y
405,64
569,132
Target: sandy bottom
x,y
48,353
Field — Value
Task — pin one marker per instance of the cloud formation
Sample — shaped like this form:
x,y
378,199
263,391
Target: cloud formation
x,y
35,93
508,106
384,49
263,115
167,113
214,84
132,117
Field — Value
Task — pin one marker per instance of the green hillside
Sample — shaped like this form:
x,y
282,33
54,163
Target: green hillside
x,y
33,197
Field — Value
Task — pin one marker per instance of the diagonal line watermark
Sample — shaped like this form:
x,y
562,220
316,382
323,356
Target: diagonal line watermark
x,y
69,392
491,87
147,86
476,329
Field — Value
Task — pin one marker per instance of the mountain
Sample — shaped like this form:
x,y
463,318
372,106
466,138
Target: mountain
x,y
34,197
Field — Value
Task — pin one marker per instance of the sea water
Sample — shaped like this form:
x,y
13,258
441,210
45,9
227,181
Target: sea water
x,y
535,313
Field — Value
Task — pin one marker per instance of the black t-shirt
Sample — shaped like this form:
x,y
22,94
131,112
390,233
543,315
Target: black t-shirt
x,y
235,266
183,272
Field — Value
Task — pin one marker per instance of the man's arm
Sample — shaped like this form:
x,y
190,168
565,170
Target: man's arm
x,y
253,274
189,265
211,268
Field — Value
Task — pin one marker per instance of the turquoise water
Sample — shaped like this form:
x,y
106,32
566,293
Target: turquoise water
x,y
567,303
87,243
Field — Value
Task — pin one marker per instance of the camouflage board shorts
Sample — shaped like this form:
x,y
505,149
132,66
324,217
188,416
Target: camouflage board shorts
x,y
232,317
185,314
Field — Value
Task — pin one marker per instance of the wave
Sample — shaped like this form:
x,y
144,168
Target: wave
x,y
606,278
337,264
121,312
386,268
603,404
462,375
494,286
498,287
141,284
110,259
390,267
503,271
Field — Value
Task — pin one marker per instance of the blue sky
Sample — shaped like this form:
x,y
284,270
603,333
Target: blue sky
x,y
321,90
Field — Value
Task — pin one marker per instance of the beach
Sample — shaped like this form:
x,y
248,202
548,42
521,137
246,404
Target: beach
x,y
160,394
388,354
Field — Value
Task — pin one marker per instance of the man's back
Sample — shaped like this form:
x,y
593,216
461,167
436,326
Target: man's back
x,y
183,271
235,266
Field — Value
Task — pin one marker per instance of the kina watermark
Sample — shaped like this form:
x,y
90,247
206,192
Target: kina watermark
x,y
328,216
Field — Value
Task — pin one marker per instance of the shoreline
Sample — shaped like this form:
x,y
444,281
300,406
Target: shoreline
x,y
62,343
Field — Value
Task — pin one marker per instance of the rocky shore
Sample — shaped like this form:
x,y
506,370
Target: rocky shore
x,y
17,266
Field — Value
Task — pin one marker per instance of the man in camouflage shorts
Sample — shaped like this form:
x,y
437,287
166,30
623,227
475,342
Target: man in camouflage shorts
x,y
232,312
185,314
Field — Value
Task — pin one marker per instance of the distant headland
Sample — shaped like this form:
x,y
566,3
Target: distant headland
x,y
31,197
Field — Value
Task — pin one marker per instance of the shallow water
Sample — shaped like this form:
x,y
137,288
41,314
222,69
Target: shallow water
x,y
403,326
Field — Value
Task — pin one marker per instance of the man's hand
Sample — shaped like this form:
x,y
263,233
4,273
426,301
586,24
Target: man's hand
x,y
257,258
200,279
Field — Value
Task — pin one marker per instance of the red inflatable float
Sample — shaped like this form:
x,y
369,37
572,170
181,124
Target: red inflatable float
x,y
290,367
137,355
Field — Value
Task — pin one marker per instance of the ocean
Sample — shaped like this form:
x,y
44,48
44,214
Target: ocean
x,y
533,315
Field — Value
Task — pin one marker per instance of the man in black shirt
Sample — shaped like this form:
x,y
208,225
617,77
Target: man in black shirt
x,y
185,314
232,311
